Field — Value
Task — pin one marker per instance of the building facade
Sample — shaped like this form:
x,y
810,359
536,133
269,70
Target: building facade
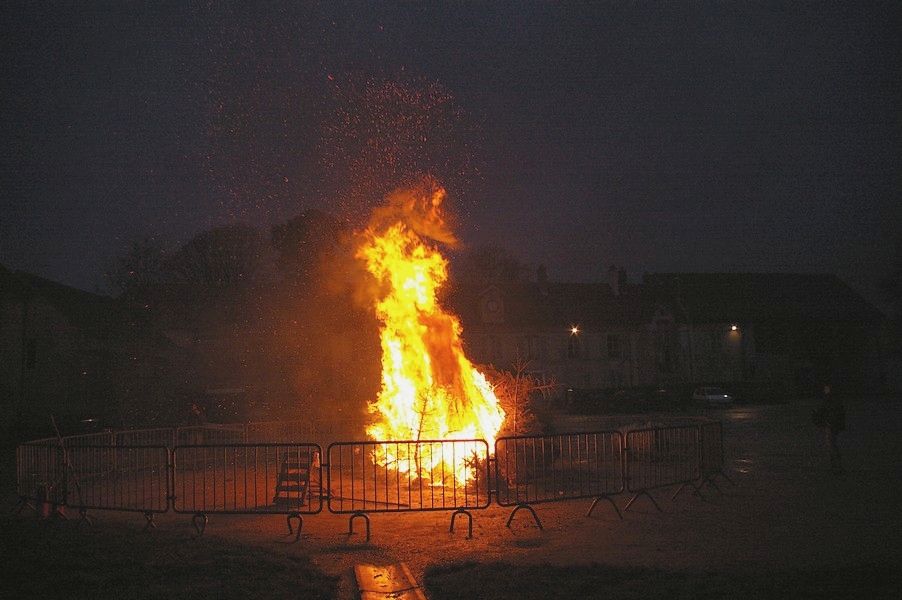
x,y
66,354
764,336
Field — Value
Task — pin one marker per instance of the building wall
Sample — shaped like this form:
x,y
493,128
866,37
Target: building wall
x,y
717,353
11,357
587,360
55,369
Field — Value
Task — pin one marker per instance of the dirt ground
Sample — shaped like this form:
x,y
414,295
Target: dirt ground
x,y
778,507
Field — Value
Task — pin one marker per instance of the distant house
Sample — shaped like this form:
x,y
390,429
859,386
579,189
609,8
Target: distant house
x,y
66,353
797,331
582,335
760,334
74,355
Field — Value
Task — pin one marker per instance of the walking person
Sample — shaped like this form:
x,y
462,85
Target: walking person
x,y
831,415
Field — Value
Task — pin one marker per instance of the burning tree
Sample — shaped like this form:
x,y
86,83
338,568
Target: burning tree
x,y
430,390
516,391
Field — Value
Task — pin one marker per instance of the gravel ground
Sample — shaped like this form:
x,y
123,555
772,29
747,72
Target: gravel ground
x,y
778,508
781,509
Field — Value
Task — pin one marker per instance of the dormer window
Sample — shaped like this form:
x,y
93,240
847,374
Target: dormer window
x,y
492,307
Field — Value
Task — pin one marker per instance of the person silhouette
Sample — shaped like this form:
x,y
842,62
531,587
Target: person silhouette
x,y
834,422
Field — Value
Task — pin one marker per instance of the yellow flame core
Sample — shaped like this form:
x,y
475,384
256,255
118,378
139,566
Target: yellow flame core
x,y
430,390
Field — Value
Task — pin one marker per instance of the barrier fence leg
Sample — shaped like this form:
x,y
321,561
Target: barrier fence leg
x,y
714,476
526,507
148,516
642,493
461,511
697,490
22,504
295,515
609,499
199,521
366,519
84,518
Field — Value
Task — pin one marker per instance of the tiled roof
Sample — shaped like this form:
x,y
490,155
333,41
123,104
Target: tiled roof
x,y
759,297
691,297
86,309
555,305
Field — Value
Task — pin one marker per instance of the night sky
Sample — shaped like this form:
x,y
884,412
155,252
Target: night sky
x,y
655,136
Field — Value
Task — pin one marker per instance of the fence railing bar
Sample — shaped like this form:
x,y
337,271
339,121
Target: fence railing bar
x,y
213,473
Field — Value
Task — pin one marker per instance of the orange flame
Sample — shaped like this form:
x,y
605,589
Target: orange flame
x,y
430,390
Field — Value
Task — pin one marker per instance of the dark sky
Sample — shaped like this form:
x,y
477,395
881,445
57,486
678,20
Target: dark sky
x,y
656,136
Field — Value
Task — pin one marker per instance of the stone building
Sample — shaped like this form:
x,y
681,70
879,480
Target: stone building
x,y
764,336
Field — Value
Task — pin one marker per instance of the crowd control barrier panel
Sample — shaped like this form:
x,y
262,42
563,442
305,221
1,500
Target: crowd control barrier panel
x,y
660,457
152,471
551,468
124,478
411,475
247,479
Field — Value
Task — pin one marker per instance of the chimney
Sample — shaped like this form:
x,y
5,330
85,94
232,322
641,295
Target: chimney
x,y
542,278
614,279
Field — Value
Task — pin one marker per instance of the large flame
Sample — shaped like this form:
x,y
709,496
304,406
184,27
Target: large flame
x,y
430,390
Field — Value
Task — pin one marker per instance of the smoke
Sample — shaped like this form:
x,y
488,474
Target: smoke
x,y
420,208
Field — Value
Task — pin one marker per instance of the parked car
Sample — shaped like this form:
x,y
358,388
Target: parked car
x,y
711,396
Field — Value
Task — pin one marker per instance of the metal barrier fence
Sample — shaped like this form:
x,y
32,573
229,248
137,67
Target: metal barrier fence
x,y
133,478
711,458
40,475
321,431
552,468
286,477
210,435
410,475
247,479
394,476
159,436
660,457
280,432
99,438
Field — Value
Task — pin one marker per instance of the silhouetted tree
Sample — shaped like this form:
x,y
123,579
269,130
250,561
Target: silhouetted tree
x,y
524,397
488,264
306,243
325,346
219,258
275,317
138,270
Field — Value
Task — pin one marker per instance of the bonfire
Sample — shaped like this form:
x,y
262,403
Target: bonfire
x,y
430,390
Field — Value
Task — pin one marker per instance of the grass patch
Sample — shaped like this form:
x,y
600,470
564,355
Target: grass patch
x,y
501,581
53,559
59,559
